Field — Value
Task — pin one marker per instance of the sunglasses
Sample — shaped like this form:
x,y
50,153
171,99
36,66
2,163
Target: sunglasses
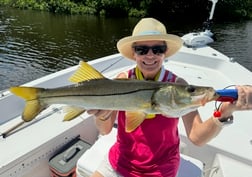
x,y
156,49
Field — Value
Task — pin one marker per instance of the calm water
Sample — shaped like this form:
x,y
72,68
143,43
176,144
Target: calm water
x,y
33,44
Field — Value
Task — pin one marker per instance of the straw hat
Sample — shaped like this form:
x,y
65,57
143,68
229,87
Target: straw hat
x,y
149,29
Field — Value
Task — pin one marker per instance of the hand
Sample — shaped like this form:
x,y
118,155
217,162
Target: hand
x,y
244,101
100,114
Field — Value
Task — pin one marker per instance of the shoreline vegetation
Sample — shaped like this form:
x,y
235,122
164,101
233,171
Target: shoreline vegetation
x,y
231,10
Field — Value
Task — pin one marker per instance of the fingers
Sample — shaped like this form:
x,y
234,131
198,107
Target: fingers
x,y
244,101
92,111
248,92
241,101
101,114
122,75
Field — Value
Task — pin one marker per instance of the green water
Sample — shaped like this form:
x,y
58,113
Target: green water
x,y
33,44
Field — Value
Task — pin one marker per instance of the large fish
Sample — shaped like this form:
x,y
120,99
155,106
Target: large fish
x,y
94,91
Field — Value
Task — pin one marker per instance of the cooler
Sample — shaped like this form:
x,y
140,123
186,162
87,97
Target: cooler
x,y
63,164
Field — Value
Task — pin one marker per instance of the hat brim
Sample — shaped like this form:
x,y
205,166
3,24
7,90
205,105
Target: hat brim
x,y
173,42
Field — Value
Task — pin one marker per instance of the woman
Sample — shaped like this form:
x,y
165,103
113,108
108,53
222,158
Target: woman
x,y
152,149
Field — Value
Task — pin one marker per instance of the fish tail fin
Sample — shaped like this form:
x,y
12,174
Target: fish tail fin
x,y
33,106
85,72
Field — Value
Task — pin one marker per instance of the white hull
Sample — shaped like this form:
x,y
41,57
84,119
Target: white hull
x,y
26,152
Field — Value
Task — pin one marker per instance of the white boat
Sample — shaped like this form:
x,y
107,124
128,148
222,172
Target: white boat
x,y
26,150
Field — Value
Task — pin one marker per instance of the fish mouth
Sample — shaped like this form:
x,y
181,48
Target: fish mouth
x,y
205,98
208,97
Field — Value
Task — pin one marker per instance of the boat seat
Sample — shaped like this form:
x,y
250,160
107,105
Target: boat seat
x,y
91,159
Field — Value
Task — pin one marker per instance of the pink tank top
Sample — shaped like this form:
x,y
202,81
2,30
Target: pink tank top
x,y
152,149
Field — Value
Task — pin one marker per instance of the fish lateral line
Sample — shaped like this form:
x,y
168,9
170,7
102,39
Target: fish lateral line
x,y
108,94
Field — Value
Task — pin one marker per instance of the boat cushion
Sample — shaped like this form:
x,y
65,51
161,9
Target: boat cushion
x,y
91,159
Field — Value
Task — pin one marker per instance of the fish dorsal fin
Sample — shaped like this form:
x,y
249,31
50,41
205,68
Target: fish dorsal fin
x,y
72,112
133,120
85,72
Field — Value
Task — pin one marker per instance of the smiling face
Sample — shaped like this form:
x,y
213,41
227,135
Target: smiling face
x,y
151,62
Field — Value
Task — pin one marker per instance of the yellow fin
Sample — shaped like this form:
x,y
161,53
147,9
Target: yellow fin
x,y
33,106
133,120
150,116
32,109
27,93
72,112
85,72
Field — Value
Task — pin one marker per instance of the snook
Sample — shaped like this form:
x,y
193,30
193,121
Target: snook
x,y
94,91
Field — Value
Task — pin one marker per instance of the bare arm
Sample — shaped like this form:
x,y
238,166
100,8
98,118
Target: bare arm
x,y
200,132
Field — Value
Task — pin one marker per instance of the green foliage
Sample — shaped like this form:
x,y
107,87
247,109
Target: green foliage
x,y
137,13
69,7
31,4
63,6
92,4
114,7
235,9
7,2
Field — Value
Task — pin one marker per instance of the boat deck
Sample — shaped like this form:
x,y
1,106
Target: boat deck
x,y
31,146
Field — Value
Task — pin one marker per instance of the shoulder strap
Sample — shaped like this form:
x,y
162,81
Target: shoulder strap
x,y
131,73
165,75
169,76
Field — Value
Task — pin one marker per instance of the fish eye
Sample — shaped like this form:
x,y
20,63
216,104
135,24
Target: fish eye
x,y
190,88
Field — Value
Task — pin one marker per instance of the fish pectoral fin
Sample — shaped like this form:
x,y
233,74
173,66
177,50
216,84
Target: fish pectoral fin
x,y
133,120
85,72
72,112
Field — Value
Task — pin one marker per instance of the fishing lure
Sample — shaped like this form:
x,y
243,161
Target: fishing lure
x,y
226,95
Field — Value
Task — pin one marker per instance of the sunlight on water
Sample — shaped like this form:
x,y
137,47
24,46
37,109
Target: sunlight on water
x,y
33,47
